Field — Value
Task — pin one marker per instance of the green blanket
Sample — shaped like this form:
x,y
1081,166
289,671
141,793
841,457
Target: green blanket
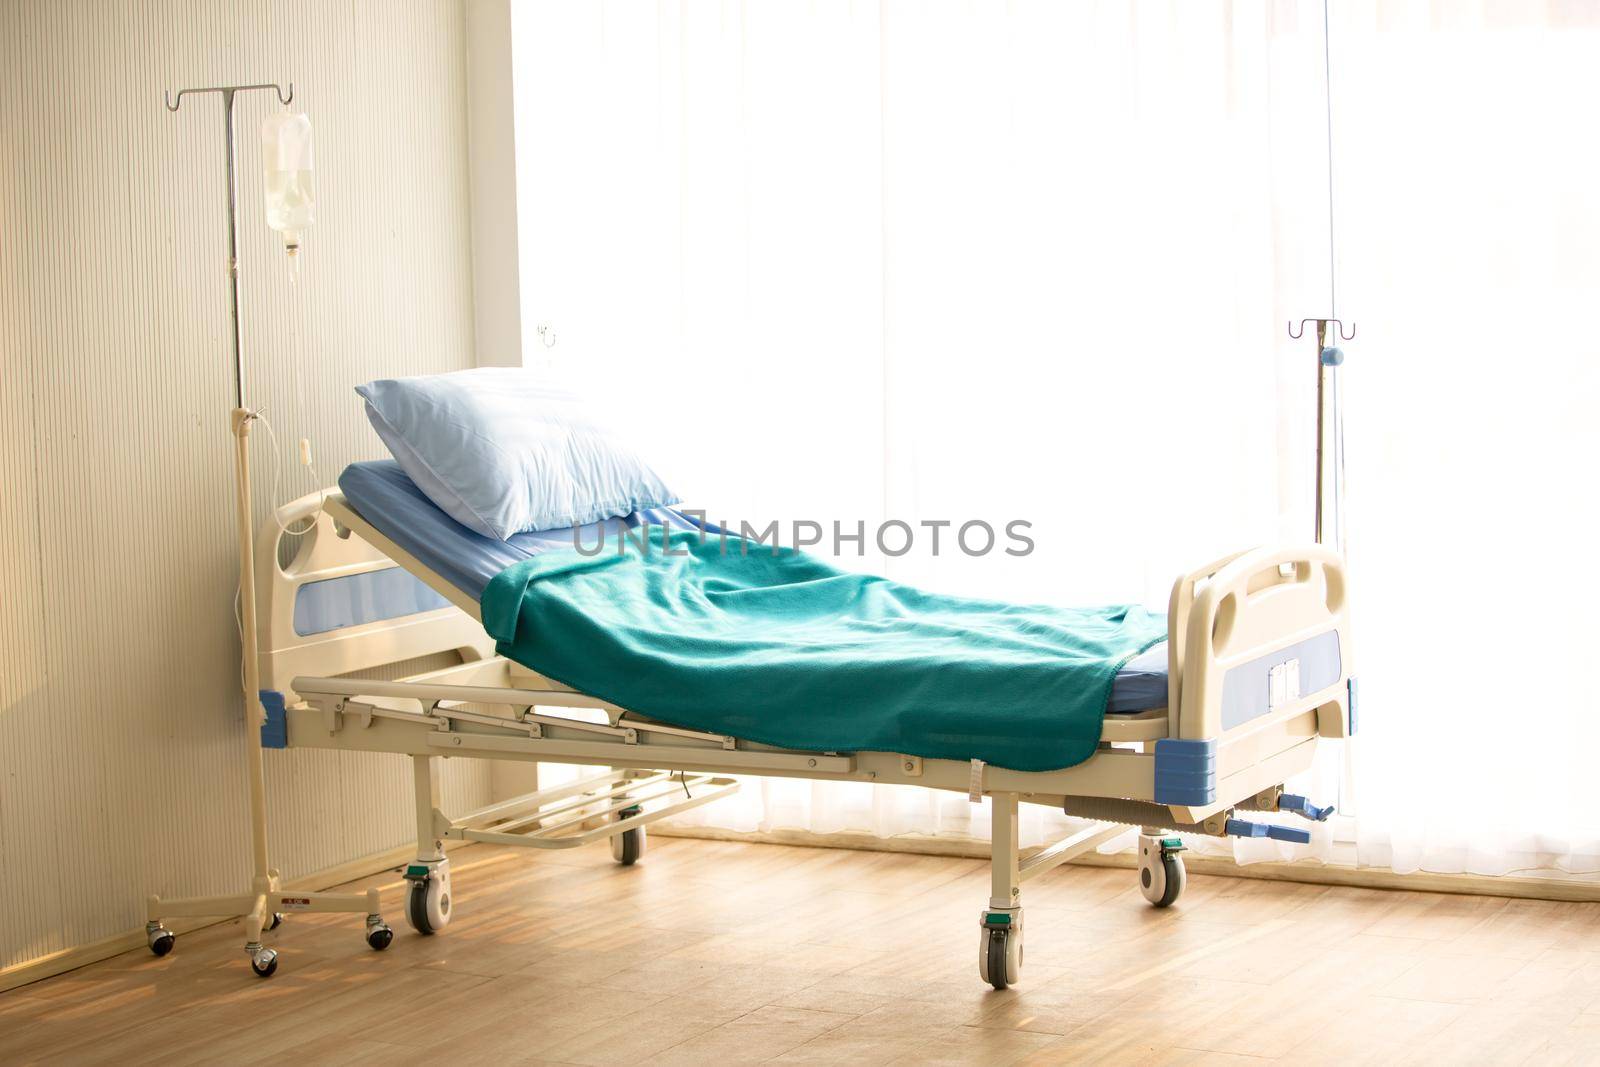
x,y
788,650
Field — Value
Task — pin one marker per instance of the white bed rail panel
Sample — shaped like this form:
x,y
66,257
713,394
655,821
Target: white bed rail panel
x,y
342,605
1265,609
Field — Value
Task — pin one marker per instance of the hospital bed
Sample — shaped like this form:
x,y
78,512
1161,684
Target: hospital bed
x,y
1200,732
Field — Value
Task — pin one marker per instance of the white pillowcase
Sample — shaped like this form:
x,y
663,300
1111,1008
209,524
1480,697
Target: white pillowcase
x,y
502,451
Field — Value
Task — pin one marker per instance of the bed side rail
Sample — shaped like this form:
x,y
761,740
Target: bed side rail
x,y
1255,609
341,605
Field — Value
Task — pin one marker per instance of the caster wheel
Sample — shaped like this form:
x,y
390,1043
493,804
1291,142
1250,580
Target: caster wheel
x,y
428,903
1161,878
379,936
264,962
417,908
628,846
277,920
1000,956
159,938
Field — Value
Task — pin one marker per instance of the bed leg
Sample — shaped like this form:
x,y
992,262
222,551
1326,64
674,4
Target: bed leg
x,y
428,901
1000,925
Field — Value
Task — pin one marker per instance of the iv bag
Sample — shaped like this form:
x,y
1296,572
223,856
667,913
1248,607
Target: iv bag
x,y
286,159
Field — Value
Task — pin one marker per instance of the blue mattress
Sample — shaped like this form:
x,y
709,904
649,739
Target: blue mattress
x,y
383,495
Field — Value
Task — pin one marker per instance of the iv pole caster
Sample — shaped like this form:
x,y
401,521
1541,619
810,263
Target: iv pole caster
x,y
263,961
379,934
159,938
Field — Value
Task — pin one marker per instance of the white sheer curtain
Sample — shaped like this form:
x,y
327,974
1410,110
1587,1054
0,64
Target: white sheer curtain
x,y
1469,224
980,260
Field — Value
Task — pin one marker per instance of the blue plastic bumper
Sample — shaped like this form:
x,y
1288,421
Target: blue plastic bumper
x,y
275,731
1186,772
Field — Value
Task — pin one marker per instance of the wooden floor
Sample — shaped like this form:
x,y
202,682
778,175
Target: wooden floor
x,y
714,954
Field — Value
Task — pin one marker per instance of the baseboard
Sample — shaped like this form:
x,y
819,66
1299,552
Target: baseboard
x,y
69,959
1566,889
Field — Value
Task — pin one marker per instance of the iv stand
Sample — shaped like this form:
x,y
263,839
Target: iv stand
x,y
263,905
1329,359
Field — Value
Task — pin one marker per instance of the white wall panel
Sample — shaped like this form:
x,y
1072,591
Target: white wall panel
x,y
121,727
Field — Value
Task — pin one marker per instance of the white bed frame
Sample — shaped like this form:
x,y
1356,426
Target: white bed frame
x,y
1173,768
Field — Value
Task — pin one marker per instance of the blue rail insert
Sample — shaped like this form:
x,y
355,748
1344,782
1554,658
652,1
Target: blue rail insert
x,y
275,731
1186,771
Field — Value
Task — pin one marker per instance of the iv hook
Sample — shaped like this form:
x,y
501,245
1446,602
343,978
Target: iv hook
x,y
1298,332
174,104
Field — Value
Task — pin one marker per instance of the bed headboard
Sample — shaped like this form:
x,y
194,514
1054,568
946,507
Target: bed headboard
x,y
340,605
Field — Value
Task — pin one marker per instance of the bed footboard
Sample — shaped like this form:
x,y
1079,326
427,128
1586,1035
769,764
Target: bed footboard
x,y
1260,663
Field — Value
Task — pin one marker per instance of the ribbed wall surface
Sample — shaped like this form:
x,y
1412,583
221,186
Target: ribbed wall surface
x,y
121,727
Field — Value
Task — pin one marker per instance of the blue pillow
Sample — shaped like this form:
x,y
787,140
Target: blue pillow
x,y
501,451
